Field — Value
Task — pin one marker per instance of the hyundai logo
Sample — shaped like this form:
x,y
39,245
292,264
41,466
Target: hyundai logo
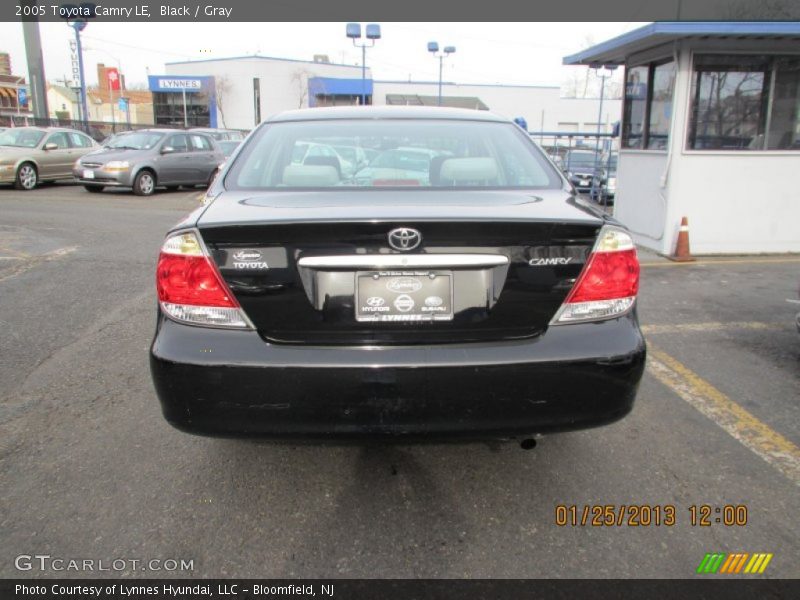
x,y
404,238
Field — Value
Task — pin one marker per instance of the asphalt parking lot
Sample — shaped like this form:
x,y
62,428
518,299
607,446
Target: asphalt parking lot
x,y
90,470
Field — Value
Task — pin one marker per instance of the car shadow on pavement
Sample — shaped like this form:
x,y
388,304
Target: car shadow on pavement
x,y
379,509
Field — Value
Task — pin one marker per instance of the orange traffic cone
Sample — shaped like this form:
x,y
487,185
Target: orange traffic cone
x,y
682,253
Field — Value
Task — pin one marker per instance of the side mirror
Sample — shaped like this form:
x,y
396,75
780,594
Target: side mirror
x,y
51,146
167,150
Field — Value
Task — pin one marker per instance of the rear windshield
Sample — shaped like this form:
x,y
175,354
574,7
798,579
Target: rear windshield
x,y
391,153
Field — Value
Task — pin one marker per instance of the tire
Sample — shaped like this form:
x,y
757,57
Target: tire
x,y
27,177
95,189
144,184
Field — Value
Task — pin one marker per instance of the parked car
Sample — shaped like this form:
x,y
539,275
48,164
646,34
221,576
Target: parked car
x,y
30,155
151,158
608,189
220,134
409,165
484,302
582,168
228,146
321,153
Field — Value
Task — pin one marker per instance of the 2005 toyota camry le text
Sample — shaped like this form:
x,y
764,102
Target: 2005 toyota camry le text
x,y
400,273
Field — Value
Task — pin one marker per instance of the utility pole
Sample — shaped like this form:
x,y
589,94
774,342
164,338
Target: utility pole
x,y
33,54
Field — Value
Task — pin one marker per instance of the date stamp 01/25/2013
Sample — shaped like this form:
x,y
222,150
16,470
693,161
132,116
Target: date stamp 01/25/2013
x,y
649,515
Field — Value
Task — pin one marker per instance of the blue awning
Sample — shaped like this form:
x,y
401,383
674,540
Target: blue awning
x,y
616,50
333,86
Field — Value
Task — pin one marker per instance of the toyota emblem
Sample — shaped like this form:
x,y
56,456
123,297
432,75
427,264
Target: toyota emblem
x,y
404,238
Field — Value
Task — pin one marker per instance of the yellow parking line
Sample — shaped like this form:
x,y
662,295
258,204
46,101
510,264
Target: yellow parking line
x,y
727,414
709,326
723,261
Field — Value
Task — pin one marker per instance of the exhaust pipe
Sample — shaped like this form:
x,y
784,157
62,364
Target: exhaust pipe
x,y
528,444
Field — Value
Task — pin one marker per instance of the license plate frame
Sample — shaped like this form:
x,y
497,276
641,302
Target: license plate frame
x,y
407,296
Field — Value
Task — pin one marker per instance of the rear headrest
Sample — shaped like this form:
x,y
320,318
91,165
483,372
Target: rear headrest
x,y
325,161
457,171
435,170
310,176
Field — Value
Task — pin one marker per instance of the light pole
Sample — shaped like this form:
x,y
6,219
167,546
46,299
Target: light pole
x,y
433,48
603,72
354,33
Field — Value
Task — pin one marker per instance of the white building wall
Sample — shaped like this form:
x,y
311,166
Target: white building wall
x,y
541,106
284,84
736,202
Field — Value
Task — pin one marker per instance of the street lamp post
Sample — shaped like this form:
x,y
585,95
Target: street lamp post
x,y
354,33
433,48
603,72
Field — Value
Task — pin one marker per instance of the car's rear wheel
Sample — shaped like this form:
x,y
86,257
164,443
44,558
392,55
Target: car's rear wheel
x,y
144,184
95,189
27,177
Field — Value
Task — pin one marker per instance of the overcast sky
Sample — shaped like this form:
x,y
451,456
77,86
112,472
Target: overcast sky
x,y
511,53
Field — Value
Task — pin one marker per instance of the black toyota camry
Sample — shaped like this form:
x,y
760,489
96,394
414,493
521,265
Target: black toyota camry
x,y
442,280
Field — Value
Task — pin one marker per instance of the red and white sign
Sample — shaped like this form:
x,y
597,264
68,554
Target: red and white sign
x,y
113,79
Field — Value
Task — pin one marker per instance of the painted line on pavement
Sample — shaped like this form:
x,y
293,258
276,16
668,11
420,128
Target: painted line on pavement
x,y
35,261
711,326
754,434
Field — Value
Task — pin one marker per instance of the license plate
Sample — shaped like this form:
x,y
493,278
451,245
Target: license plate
x,y
404,296
88,174
584,182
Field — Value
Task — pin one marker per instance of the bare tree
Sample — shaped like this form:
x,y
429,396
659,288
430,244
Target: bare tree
x,y
222,88
300,81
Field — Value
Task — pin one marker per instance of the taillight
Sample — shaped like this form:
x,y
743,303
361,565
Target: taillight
x,y
190,289
609,282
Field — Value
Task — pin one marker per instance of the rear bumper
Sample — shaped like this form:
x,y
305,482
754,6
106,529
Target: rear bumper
x,y
232,383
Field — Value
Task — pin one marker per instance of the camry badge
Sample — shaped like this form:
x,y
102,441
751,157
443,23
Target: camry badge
x,y
546,262
404,238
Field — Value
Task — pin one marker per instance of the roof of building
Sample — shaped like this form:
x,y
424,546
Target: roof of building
x,y
259,57
616,50
453,83
96,96
471,102
385,112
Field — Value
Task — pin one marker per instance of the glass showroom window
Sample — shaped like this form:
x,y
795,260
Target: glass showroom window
x,y
648,105
745,103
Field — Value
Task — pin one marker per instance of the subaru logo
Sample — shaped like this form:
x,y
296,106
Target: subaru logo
x,y
404,238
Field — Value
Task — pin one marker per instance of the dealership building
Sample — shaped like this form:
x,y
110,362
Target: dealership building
x,y
249,89
710,131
